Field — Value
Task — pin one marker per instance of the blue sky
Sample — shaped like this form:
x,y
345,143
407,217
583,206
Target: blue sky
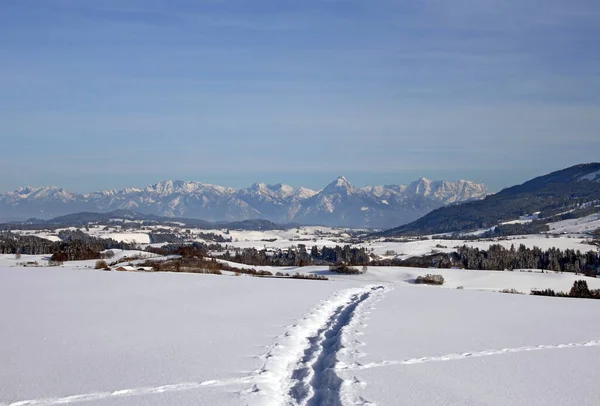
x,y
117,93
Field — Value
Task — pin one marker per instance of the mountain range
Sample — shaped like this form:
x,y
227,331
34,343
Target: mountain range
x,y
337,204
568,193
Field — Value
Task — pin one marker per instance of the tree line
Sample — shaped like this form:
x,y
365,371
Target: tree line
x,y
300,256
499,258
76,246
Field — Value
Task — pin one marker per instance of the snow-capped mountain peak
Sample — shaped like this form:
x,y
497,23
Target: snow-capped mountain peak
x,y
337,204
281,189
339,186
421,187
303,193
41,193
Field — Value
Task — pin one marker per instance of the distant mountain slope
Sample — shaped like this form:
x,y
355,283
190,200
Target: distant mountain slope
x,y
85,218
338,204
549,194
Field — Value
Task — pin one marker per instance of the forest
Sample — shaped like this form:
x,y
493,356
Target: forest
x,y
76,245
300,257
499,258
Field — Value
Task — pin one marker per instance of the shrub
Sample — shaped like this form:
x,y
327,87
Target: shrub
x,y
512,291
342,268
430,279
309,276
59,257
101,264
545,292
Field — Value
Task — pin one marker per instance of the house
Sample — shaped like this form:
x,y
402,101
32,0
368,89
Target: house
x,y
130,268
126,268
145,268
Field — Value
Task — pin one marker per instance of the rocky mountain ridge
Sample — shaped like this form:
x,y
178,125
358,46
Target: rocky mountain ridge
x,y
337,204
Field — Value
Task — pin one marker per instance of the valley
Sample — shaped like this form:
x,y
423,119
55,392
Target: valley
x,y
187,311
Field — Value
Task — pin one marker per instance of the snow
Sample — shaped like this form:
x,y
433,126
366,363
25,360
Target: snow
x,y
591,176
533,216
541,241
121,337
135,238
45,234
424,247
116,338
578,225
523,280
520,221
153,339
453,347
282,239
9,260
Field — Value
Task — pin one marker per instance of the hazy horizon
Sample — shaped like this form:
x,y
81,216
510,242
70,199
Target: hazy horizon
x,y
294,180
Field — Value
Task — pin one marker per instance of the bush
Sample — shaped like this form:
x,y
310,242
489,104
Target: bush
x,y
430,279
309,276
59,257
511,290
101,264
545,292
342,268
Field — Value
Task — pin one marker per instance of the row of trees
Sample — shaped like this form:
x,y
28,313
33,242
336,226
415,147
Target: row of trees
x,y
11,243
76,246
554,259
300,256
579,290
498,258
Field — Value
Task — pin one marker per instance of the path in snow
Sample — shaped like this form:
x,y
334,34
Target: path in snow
x,y
315,381
324,386
465,355
300,369
303,367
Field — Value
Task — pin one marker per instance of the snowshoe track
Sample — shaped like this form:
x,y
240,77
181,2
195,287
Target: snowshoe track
x,y
314,380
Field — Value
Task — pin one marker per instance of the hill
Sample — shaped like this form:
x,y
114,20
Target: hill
x,y
574,189
119,216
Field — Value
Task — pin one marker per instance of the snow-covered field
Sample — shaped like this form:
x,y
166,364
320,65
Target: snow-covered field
x,y
405,250
72,335
579,225
568,234
449,347
9,260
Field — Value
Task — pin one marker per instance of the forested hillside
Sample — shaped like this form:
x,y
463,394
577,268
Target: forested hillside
x,y
572,188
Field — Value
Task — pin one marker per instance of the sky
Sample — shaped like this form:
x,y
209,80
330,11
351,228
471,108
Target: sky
x,y
122,93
